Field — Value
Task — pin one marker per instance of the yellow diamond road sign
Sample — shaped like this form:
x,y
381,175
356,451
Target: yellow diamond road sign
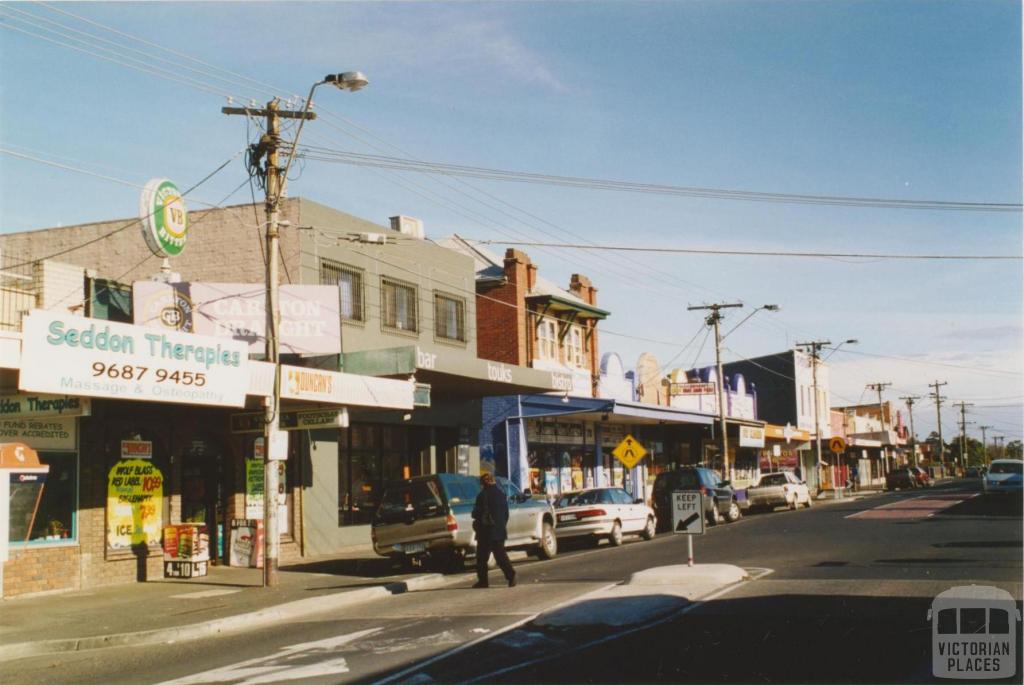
x,y
629,451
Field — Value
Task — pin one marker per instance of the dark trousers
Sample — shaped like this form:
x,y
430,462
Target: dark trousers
x,y
485,547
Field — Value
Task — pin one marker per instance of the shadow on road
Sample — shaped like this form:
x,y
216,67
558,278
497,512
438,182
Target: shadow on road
x,y
775,638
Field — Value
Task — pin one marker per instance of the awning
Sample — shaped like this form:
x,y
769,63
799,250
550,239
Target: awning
x,y
455,372
554,303
612,411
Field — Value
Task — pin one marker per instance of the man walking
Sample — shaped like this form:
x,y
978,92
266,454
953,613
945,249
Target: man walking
x,y
490,519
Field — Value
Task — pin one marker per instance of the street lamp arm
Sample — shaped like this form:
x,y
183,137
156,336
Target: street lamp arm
x,y
768,307
295,142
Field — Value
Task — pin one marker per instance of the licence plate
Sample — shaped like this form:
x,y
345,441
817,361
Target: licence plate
x,y
413,547
566,517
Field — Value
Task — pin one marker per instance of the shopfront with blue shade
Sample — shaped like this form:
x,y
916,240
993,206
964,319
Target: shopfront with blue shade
x,y
552,444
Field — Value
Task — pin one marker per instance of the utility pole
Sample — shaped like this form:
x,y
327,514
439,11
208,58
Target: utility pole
x,y
998,439
910,399
814,348
984,445
938,417
879,387
713,319
268,148
963,431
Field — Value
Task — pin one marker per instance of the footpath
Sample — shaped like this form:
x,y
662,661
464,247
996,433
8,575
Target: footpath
x,y
227,599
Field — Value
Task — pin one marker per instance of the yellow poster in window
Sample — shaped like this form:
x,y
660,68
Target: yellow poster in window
x,y
135,491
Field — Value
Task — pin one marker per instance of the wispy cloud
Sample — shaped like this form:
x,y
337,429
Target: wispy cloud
x,y
988,333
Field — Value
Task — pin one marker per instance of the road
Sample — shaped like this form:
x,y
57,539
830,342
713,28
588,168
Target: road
x,y
844,599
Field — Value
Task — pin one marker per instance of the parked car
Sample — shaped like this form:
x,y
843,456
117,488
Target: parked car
x,y
777,490
921,476
604,513
719,498
1004,476
900,479
975,472
430,518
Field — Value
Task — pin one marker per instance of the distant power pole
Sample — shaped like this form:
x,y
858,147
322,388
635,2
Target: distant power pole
x,y
814,348
938,416
998,439
984,444
879,387
714,319
910,399
963,431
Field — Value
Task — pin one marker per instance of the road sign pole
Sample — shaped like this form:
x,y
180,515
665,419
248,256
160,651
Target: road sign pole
x,y
689,550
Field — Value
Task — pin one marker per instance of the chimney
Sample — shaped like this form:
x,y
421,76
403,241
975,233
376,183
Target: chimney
x,y
407,225
581,286
518,268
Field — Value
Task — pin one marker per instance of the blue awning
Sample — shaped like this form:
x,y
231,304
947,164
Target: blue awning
x,y
595,409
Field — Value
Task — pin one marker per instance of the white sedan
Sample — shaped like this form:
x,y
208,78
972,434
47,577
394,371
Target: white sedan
x,y
608,513
779,489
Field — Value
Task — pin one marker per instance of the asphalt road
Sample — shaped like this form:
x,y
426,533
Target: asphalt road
x,y
845,601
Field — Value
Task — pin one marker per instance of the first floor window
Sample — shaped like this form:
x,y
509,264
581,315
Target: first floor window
x,y
547,340
449,317
575,351
54,519
350,287
398,305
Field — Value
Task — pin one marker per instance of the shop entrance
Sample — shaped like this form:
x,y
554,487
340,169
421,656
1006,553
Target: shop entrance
x,y
202,490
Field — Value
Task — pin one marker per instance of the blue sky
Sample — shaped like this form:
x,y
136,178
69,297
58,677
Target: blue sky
x,y
915,100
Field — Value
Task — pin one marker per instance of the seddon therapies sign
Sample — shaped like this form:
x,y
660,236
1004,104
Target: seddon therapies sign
x,y
72,355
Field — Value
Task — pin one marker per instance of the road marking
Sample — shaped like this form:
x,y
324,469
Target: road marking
x,y
922,506
282,665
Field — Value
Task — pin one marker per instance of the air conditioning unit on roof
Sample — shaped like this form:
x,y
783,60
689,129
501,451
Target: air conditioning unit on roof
x,y
407,225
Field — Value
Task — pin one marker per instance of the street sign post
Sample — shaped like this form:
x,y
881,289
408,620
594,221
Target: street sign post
x,y
688,518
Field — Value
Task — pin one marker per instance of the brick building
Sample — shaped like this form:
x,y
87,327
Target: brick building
x,y
525,319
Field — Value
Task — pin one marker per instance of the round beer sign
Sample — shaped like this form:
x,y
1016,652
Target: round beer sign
x,y
164,218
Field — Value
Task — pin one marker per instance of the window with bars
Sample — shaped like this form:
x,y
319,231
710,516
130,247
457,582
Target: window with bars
x,y
398,305
350,286
449,318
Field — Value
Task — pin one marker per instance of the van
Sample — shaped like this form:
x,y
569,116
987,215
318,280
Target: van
x,y
719,497
429,518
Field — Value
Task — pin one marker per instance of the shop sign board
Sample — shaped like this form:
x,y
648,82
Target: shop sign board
x,y
41,433
71,354
135,490
254,422
164,218
136,449
254,471
335,387
629,452
36,406
687,513
751,436
310,320
679,389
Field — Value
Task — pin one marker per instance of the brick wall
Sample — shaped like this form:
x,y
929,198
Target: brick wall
x,y
223,244
501,328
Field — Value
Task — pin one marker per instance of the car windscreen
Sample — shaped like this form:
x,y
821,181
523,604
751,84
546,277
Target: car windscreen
x,y
418,499
676,480
1006,467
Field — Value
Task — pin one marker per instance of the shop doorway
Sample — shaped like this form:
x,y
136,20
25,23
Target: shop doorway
x,y
202,490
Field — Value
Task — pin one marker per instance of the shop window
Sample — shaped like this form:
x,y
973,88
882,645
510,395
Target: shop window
x,y
350,285
55,519
398,305
449,318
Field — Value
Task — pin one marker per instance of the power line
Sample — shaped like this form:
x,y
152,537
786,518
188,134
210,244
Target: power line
x,y
757,253
946,364
402,164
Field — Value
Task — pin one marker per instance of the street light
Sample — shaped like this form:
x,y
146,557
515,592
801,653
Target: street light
x,y
276,182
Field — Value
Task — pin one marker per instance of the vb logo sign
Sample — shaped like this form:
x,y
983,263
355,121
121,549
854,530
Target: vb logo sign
x,y
974,633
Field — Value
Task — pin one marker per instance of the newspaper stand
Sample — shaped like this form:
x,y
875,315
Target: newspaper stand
x,y
186,551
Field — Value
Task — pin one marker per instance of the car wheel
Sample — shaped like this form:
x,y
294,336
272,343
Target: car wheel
x,y
548,547
648,532
450,561
791,503
615,537
734,514
712,514
809,502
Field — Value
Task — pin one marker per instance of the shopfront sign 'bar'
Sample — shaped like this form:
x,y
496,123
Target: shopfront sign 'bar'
x,y
72,355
